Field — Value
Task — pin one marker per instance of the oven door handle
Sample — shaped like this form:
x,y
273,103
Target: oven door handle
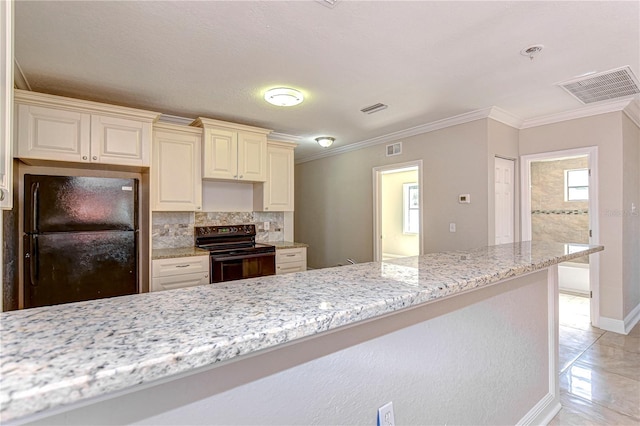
x,y
241,256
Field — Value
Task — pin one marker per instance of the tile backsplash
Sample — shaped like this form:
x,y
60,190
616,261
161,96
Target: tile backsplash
x,y
175,229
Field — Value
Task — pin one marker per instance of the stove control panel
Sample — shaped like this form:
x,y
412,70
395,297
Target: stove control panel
x,y
233,230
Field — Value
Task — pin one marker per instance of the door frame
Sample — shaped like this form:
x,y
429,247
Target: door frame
x,y
525,215
377,204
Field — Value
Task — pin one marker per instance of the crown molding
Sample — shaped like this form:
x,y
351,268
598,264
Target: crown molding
x,y
587,111
19,79
45,100
412,131
632,110
175,119
505,117
285,137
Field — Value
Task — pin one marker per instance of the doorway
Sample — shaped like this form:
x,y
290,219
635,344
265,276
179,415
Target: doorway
x,y
504,200
559,204
398,207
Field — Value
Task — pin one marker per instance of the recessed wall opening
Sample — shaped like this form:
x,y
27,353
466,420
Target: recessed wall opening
x,y
559,190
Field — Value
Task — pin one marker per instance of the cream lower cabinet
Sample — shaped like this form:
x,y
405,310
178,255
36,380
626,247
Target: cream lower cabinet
x,y
63,129
233,151
276,194
176,177
180,272
291,260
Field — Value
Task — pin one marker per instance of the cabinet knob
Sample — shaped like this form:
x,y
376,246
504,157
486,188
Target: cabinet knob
x,y
241,176
95,158
266,208
84,157
198,208
1,194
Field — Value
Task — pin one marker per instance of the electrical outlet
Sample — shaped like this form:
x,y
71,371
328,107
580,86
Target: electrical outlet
x,y
452,227
266,226
385,415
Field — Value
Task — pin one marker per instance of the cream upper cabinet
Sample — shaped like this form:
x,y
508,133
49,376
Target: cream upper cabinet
x,y
63,129
120,141
6,107
233,151
276,194
176,177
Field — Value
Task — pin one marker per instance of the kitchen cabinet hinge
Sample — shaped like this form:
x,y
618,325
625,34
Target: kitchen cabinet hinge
x,y
590,233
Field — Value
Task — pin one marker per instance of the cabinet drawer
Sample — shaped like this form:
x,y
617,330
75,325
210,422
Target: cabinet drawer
x,y
285,268
289,255
179,281
180,266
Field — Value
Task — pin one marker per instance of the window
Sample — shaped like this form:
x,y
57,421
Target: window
x,y
576,184
411,203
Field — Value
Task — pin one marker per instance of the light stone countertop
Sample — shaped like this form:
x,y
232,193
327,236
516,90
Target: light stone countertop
x,y
170,253
286,244
59,355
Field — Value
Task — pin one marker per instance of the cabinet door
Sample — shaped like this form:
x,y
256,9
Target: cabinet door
x,y
278,189
53,134
220,156
252,157
120,141
175,172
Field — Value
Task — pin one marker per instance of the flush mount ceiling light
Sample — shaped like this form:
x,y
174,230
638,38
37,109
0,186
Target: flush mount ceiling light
x,y
283,96
325,141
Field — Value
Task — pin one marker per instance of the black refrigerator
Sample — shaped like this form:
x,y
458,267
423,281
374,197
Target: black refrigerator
x,y
80,238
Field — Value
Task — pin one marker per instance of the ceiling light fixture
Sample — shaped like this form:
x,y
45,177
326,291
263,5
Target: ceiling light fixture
x,y
325,141
532,51
283,96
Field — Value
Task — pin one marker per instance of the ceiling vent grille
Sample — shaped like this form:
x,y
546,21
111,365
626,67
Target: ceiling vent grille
x,y
613,84
374,108
394,149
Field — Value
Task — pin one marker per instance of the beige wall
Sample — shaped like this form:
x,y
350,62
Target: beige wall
x,y
334,195
394,240
605,132
631,220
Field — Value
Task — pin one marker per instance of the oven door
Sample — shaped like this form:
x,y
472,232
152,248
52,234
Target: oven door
x,y
237,267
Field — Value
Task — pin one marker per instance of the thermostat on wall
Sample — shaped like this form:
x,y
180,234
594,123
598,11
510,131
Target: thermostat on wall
x,y
464,198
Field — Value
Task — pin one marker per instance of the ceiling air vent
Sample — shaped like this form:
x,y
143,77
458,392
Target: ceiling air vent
x,y
612,84
374,108
394,149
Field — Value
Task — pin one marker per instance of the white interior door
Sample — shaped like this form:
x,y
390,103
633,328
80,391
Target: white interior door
x,y
504,199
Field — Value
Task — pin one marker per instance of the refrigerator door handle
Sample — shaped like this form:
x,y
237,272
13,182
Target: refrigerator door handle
x,y
35,189
32,256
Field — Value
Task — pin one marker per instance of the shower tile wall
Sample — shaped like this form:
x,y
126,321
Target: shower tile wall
x,y
175,229
553,218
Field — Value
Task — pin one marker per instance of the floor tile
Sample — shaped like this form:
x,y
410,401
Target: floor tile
x,y
627,343
603,388
613,360
566,356
577,411
577,338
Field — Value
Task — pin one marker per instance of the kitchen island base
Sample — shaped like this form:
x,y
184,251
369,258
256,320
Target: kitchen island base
x,y
486,356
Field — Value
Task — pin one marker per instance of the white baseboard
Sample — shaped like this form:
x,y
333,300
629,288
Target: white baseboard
x,y
621,326
543,412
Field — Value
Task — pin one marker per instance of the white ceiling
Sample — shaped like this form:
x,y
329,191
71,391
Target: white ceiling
x,y
426,60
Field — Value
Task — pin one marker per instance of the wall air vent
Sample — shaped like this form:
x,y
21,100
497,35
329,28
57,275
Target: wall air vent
x,y
374,108
329,3
394,149
612,84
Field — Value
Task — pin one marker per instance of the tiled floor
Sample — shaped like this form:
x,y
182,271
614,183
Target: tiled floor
x,y
599,371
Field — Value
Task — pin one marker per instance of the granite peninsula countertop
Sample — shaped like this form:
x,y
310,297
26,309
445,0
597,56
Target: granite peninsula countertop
x,y
59,355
